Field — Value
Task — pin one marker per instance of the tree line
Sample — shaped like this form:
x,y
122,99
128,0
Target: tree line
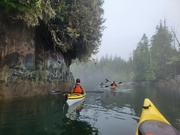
x,y
152,60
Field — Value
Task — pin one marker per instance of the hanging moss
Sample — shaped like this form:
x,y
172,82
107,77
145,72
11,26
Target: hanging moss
x,y
75,26
29,11
17,5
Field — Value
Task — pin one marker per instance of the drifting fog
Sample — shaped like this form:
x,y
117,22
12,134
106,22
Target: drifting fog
x,y
128,20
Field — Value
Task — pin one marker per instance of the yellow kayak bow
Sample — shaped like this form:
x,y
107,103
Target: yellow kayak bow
x,y
152,122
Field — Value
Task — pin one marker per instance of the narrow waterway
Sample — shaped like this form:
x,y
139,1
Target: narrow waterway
x,y
111,112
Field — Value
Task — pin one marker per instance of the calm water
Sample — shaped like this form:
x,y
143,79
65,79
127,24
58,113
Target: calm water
x,y
108,113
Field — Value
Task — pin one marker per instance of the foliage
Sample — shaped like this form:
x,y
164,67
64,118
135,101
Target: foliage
x,y
17,5
75,27
141,59
159,61
152,60
162,52
30,11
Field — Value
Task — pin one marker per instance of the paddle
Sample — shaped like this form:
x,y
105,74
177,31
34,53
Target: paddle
x,y
107,80
65,96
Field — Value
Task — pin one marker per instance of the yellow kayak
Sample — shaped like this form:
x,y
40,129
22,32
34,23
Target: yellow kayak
x,y
74,98
152,122
113,87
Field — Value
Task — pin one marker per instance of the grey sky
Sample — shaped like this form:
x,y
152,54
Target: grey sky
x,y
128,20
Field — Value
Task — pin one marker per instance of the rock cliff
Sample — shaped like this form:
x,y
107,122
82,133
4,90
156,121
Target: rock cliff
x,y
29,66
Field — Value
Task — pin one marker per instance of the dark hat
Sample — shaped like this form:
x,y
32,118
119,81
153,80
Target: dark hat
x,y
78,80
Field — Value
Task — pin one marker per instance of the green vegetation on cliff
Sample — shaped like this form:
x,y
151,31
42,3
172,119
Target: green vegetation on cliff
x,y
75,26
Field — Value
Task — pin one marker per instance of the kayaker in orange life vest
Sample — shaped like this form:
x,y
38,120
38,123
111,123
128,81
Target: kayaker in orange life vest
x,y
113,84
78,87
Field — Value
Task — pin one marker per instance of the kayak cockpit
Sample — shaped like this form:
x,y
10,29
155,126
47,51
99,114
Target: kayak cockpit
x,y
156,127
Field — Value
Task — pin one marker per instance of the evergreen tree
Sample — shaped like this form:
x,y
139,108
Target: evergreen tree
x,y
141,60
162,52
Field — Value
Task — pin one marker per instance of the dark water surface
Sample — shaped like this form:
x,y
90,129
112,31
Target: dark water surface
x,y
109,113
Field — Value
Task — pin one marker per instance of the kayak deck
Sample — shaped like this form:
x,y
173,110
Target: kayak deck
x,y
113,87
76,95
155,127
74,98
149,112
152,122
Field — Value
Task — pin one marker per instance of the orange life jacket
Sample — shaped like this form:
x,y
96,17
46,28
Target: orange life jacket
x,y
113,84
78,89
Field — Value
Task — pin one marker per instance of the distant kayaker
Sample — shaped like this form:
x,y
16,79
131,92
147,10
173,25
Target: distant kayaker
x,y
102,84
114,84
78,87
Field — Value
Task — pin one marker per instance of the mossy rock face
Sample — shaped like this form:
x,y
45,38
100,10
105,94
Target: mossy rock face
x,y
39,39
1,63
29,61
2,96
28,66
29,89
11,60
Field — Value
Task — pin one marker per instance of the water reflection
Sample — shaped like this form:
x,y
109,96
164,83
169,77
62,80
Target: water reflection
x,y
73,111
39,116
111,112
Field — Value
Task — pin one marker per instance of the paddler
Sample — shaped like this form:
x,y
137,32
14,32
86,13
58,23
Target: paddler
x,y
78,87
113,84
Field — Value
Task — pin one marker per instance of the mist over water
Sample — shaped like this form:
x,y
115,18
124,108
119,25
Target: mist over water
x,y
92,79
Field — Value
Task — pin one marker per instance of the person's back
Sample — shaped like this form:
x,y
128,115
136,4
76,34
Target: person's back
x,y
102,84
78,87
113,84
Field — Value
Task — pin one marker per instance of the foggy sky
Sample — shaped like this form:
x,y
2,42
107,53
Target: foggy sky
x,y
128,20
